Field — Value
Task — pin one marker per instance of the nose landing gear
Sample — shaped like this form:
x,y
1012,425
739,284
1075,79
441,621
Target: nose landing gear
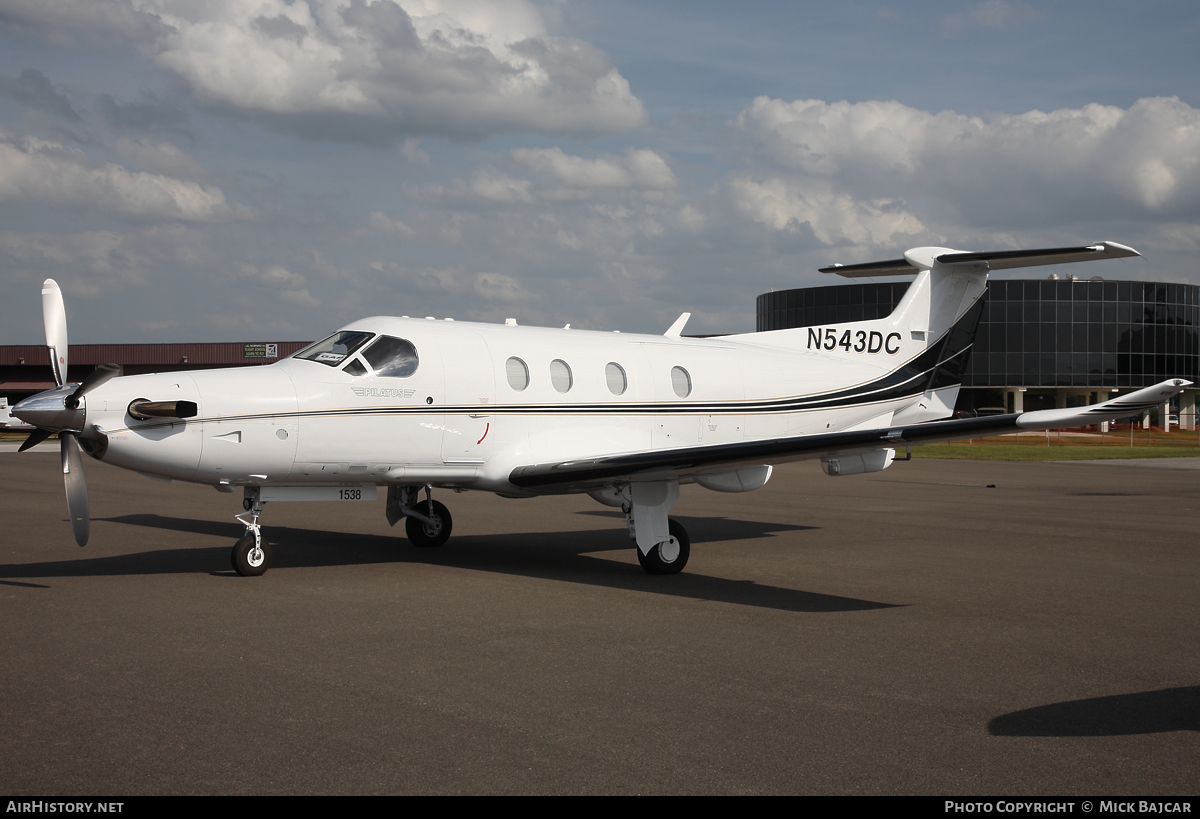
x,y
251,556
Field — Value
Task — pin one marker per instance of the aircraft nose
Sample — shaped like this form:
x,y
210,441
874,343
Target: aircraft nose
x,y
49,410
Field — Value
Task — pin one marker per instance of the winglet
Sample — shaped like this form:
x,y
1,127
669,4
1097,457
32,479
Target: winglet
x,y
676,329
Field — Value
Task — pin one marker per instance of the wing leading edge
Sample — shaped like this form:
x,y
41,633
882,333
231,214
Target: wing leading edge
x,y
672,464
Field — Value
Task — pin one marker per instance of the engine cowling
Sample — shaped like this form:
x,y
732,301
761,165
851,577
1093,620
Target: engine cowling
x,y
745,479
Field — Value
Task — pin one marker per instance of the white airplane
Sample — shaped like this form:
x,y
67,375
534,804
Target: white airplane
x,y
413,404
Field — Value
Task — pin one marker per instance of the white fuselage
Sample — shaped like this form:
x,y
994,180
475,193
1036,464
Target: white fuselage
x,y
458,421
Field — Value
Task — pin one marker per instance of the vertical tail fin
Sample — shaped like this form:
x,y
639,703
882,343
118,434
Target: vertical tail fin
x,y
943,304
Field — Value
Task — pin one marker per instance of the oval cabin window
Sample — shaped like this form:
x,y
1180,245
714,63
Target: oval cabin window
x,y
560,375
681,382
517,372
614,374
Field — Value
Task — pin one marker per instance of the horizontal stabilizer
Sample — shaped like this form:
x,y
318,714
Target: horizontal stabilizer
x,y
1005,259
894,267
991,260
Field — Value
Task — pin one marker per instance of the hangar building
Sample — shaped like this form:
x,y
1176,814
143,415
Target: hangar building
x,y
25,368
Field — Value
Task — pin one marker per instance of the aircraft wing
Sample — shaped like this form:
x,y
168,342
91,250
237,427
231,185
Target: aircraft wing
x,y
672,464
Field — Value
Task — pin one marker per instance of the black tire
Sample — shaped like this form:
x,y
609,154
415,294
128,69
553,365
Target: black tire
x,y
245,562
421,533
654,562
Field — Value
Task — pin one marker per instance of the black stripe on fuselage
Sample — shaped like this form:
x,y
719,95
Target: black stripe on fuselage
x,y
909,380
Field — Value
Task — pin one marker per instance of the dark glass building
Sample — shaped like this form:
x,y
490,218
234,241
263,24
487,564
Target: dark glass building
x,y
1041,342
808,306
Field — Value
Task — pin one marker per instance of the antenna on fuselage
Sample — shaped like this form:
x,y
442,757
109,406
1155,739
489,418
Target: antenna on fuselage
x,y
676,329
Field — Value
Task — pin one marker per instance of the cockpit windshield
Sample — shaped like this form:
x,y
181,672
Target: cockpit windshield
x,y
333,350
392,357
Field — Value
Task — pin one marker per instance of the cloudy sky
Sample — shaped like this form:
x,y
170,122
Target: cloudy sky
x,y
240,170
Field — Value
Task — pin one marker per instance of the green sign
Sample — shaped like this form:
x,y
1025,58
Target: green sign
x,y
260,351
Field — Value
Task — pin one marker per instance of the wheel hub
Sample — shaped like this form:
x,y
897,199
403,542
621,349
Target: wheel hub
x,y
668,550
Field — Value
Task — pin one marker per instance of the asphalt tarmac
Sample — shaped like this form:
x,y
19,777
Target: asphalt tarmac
x,y
914,631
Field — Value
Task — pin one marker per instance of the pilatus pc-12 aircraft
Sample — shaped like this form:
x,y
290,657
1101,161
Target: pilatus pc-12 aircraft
x,y
414,405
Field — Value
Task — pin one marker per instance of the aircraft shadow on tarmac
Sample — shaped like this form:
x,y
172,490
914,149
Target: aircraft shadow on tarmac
x,y
1147,712
710,529
565,556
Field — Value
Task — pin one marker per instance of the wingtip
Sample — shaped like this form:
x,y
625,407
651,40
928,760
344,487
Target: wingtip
x,y
1124,250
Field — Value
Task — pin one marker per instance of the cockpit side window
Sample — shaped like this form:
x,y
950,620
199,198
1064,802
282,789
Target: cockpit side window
x,y
392,357
335,349
355,367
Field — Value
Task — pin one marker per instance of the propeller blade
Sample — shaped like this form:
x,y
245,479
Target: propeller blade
x,y
54,316
102,373
35,438
77,499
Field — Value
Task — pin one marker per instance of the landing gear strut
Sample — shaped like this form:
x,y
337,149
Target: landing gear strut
x,y
251,556
663,545
427,523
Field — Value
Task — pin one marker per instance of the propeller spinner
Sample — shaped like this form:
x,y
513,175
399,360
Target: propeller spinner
x,y
59,410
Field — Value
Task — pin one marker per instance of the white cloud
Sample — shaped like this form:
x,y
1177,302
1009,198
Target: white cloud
x,y
161,157
488,188
496,287
92,264
956,171
498,187
614,256
372,70
562,179
66,21
280,282
381,223
833,218
994,14
36,171
643,169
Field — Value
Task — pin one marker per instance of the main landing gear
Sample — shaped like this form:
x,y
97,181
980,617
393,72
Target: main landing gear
x,y
668,556
251,555
427,523
663,545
